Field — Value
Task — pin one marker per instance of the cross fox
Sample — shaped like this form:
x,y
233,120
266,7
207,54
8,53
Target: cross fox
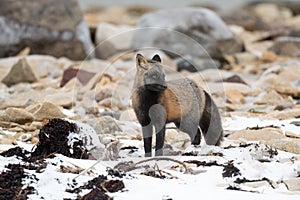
x,y
157,102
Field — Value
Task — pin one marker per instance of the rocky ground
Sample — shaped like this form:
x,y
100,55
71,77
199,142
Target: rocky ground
x,y
58,116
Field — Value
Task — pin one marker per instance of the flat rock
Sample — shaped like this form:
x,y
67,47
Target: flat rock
x,y
265,134
272,98
221,88
61,98
17,115
291,145
19,73
45,110
82,75
54,27
292,134
186,31
293,184
26,97
284,114
288,89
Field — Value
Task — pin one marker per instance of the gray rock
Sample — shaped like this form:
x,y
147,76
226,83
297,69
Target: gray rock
x,y
191,64
186,31
288,46
16,115
54,27
112,39
128,115
107,125
246,18
20,72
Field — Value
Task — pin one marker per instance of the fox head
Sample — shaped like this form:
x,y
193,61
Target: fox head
x,y
150,73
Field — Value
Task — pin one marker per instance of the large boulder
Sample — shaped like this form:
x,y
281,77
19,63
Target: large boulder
x,y
186,31
54,27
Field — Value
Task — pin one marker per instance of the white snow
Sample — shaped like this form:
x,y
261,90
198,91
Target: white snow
x,y
208,183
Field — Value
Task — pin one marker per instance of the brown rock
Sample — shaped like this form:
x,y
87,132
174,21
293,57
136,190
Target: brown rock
x,y
274,12
293,184
284,114
45,110
20,72
291,145
16,115
83,76
234,79
287,89
221,87
8,140
61,98
234,96
115,15
265,134
268,56
272,98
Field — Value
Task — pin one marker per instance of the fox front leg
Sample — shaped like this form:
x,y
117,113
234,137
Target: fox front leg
x,y
160,138
147,136
158,116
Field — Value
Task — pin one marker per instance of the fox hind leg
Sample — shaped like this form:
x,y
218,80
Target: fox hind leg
x,y
191,129
210,122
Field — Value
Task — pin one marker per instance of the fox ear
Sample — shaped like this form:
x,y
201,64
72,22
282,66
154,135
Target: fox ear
x,y
141,61
156,58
